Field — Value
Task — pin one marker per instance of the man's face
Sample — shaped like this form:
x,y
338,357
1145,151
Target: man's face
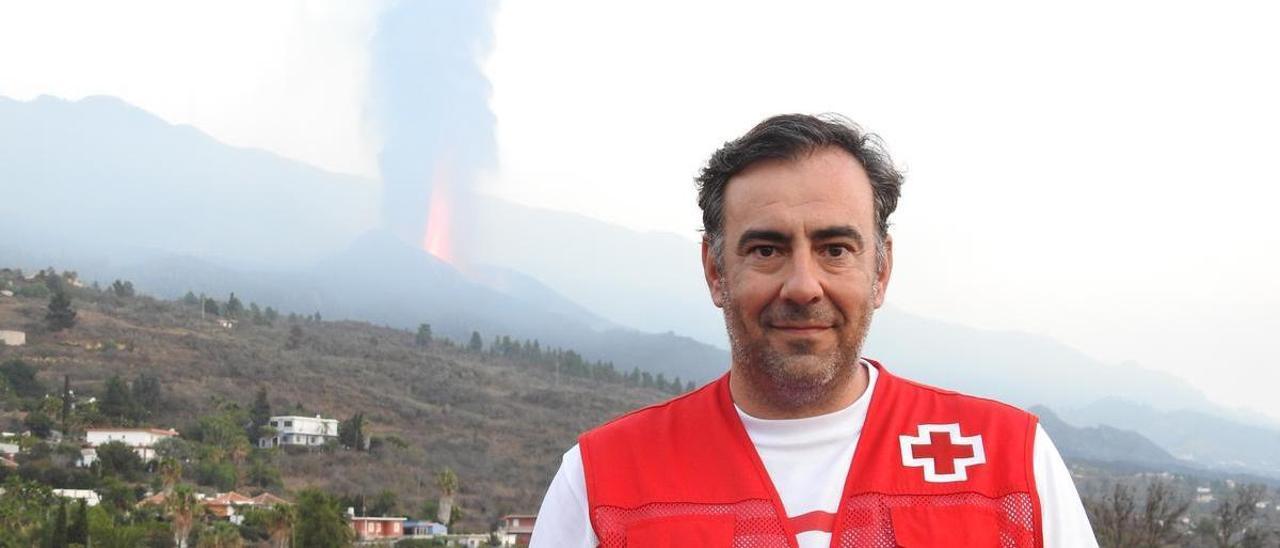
x,y
798,282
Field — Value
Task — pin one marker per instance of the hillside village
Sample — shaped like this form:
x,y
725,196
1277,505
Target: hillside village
x,y
134,421
260,419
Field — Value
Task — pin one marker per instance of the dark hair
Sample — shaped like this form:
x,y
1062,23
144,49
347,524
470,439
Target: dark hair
x,y
787,137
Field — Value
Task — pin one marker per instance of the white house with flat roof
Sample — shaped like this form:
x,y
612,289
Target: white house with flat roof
x,y
303,431
142,440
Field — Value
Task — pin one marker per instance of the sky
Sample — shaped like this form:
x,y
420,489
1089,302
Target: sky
x,y
1098,172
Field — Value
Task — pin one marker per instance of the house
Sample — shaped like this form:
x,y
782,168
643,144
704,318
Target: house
x,y
374,528
13,338
8,462
5,293
518,525
90,496
424,529
142,440
229,506
303,431
1204,495
224,505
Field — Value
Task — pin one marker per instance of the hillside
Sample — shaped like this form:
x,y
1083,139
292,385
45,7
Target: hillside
x,y
501,423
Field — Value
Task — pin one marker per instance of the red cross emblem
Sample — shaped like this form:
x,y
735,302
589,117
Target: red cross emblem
x,y
942,452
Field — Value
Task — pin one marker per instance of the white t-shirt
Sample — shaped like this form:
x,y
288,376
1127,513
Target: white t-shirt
x,y
801,456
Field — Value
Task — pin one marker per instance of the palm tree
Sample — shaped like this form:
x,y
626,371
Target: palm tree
x,y
221,535
170,473
182,506
447,482
280,521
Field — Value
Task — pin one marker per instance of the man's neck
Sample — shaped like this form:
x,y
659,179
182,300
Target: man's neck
x,y
758,397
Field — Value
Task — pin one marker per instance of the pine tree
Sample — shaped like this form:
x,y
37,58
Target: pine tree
x,y
58,535
295,338
122,288
117,404
476,344
423,338
234,307
61,315
78,531
260,413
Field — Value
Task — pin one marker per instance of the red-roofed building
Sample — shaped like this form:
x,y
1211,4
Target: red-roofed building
x,y
373,528
518,525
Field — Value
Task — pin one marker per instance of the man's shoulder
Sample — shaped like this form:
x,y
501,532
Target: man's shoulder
x,y
659,416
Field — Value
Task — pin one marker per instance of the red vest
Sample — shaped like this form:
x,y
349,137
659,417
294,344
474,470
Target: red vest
x,y
932,468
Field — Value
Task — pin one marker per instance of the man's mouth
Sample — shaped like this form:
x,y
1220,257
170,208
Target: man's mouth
x,y
801,329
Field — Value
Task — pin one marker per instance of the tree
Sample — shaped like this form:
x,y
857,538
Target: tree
x,y
234,307
170,474
255,315
65,412
1112,517
118,459
221,534
1234,519
211,307
447,482
78,531
190,299
182,507
351,432
259,413
24,509
320,521
21,378
58,532
146,397
60,315
295,338
1158,522
280,521
270,315
476,344
122,288
423,338
384,504
117,402
39,424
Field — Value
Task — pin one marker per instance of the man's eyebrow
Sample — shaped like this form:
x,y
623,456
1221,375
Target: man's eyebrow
x,y
766,235
835,232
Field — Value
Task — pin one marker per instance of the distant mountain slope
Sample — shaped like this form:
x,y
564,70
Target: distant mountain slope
x,y
102,177
1189,434
380,279
1104,443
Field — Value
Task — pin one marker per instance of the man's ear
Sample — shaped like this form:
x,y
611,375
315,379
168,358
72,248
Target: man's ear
x,y
882,277
712,273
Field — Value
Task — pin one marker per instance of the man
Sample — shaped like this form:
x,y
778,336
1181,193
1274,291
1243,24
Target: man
x,y
804,443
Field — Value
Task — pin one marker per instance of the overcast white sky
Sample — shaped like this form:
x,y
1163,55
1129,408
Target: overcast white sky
x,y
1101,173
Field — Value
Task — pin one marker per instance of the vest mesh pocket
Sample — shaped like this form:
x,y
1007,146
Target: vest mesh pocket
x,y
755,524
869,520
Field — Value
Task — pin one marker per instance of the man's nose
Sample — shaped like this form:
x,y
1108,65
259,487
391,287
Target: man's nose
x,y
802,285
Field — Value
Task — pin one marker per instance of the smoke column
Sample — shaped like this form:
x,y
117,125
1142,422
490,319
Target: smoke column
x,y
430,102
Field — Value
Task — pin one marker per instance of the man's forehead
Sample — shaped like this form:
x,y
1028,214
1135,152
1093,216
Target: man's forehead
x,y
825,188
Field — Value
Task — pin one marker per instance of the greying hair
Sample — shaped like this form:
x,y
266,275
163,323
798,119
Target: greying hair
x,y
788,137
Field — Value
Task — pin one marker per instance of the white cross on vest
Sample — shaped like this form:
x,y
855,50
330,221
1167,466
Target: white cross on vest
x,y
942,452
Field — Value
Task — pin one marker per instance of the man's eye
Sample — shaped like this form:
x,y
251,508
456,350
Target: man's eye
x,y
765,251
837,251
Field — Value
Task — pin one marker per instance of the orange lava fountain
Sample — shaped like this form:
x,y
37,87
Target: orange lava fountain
x,y
437,239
